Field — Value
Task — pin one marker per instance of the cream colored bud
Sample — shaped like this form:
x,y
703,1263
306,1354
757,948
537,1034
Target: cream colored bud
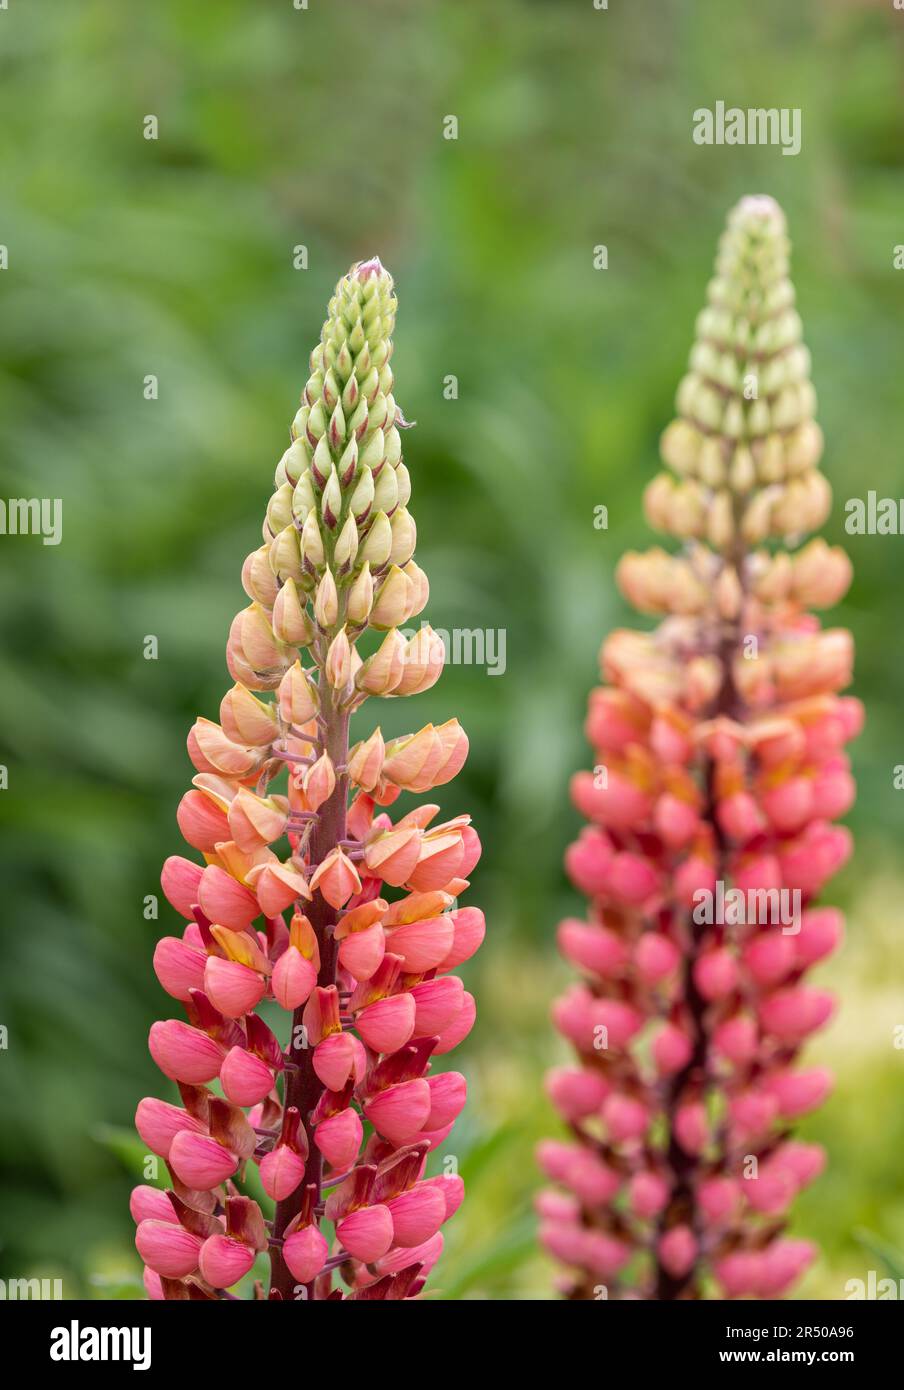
x,y
337,429
787,518
377,544
759,418
679,446
711,464
247,720
720,527
285,554
372,452
657,500
298,697
742,473
279,509
403,479
803,448
822,575
348,462
755,523
392,600
381,673
362,496
687,512
425,656
346,546
312,551
420,585
258,579
393,446
404,536
304,498
386,491
317,422
361,596
771,463
294,462
817,502
260,647
728,593
326,601
291,621
338,665
773,584
733,420
684,592
331,501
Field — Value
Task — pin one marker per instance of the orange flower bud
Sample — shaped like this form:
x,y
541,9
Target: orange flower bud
x,y
319,782
298,698
291,622
381,673
393,600
336,878
245,719
365,762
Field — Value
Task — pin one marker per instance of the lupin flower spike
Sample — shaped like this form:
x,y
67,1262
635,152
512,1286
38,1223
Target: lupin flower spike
x,y
718,741
317,928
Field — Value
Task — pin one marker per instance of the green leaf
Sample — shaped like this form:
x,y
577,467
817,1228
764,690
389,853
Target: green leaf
x,y
892,1259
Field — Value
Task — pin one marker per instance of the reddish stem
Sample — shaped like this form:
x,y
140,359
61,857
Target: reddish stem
x,y
303,1086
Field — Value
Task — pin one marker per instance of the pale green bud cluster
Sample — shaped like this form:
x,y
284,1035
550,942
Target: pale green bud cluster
x,y
745,445
338,536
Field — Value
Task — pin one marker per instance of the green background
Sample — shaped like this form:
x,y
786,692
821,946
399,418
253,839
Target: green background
x,y
127,257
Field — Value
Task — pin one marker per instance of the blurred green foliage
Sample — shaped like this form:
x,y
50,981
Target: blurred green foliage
x,y
128,257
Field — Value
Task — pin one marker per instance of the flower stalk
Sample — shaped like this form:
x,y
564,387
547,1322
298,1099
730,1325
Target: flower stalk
x,y
338,1105
719,771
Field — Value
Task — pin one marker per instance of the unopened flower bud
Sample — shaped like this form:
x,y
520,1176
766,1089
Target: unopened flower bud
x,y
298,699
404,536
360,597
326,602
312,551
346,545
381,673
291,621
377,544
363,496
365,762
392,600
338,665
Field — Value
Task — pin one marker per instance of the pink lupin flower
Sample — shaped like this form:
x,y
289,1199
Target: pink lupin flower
x,y
305,1250
283,1168
199,1161
721,735
387,1024
184,1053
231,987
158,1123
225,1258
417,1214
338,1137
436,1003
180,880
246,1079
366,1233
168,1249
337,1058
150,1203
401,1111
179,966
313,895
